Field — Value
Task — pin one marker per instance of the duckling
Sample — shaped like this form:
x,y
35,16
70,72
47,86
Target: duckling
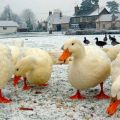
x,y
86,71
36,65
100,43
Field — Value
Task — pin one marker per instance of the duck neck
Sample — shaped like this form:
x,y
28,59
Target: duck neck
x,y
80,54
96,40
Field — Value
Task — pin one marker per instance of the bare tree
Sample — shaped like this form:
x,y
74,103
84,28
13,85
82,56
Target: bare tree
x,y
7,14
113,6
29,18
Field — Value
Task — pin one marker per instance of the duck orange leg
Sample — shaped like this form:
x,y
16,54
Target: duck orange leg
x,y
16,79
3,99
112,108
77,96
44,85
25,86
101,95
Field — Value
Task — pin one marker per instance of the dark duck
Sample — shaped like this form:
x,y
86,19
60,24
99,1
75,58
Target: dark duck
x,y
100,43
86,41
105,38
113,40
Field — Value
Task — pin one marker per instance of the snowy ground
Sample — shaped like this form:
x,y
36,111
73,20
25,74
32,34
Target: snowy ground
x,y
52,103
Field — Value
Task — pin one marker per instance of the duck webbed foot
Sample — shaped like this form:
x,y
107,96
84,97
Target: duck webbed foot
x,y
77,96
16,79
102,95
3,99
44,85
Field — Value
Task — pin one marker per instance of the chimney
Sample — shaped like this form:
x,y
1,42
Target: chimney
x,y
60,14
76,10
50,13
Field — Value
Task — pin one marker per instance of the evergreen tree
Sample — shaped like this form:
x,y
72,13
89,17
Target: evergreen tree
x,y
113,6
95,1
86,5
39,27
29,25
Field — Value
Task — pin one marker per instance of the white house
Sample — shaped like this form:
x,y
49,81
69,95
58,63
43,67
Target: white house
x,y
8,26
57,22
108,21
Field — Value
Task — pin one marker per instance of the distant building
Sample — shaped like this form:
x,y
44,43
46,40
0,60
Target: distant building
x,y
8,26
44,26
23,27
57,22
86,19
108,21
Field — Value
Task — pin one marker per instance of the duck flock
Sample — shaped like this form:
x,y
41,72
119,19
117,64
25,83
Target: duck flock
x,y
89,66
103,42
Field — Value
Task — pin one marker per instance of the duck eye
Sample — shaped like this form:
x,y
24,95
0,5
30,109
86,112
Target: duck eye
x,y
73,43
17,69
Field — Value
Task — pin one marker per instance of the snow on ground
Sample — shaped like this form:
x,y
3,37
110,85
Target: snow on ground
x,y
52,103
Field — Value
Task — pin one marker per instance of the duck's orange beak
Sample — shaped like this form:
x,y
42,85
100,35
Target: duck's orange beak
x,y
65,55
16,80
112,108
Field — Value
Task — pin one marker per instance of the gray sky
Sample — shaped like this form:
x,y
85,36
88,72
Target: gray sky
x,y
42,7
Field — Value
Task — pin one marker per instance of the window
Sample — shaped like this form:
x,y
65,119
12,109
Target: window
x,y
4,28
103,25
75,20
84,19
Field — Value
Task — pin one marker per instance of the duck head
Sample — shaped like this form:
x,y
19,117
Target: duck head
x,y
73,48
96,38
23,66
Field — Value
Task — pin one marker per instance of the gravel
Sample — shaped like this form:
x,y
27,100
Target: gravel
x,y
52,102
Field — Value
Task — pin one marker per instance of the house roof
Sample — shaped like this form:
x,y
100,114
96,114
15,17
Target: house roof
x,y
96,11
56,19
108,17
62,20
92,12
8,24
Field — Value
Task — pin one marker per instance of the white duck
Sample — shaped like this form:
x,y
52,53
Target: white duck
x,y
16,50
7,69
90,66
55,54
36,65
115,89
112,52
